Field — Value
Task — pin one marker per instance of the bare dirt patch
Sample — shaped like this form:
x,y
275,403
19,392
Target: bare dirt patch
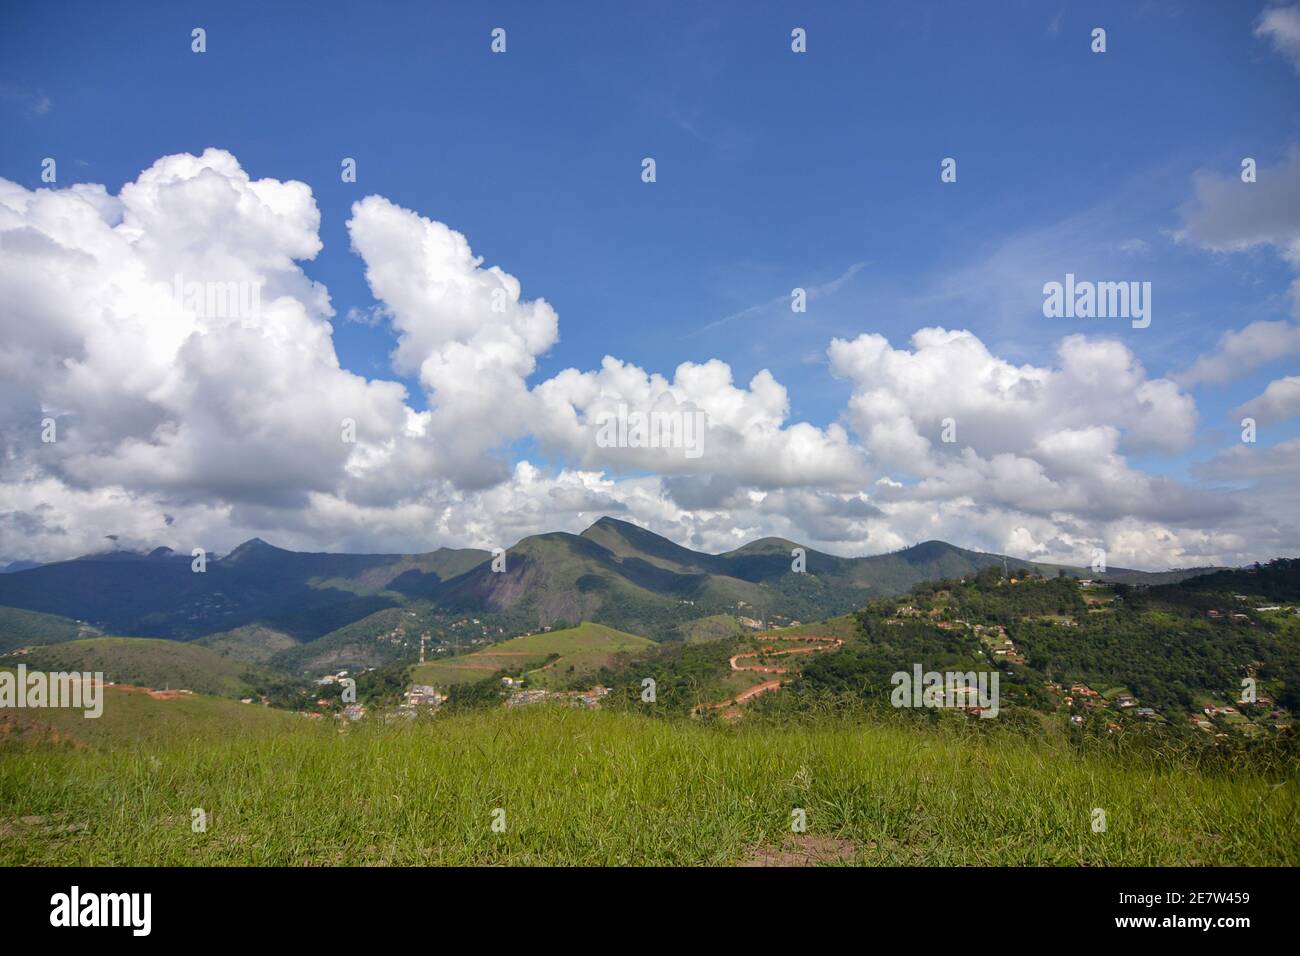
x,y
803,849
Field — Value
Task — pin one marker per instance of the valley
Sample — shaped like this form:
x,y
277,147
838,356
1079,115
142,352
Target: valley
x,y
1174,690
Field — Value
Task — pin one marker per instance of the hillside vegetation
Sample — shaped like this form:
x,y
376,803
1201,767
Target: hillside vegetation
x,y
152,663
252,643
19,628
549,658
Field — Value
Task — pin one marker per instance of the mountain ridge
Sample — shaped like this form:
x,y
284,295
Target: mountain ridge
x,y
613,572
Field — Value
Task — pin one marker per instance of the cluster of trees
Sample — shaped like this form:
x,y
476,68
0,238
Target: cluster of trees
x,y
383,686
380,687
1164,645
1159,642
684,674
476,695
865,666
1279,580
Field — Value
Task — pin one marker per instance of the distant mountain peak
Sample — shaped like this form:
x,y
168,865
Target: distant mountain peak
x,y
932,548
606,526
612,524
252,548
768,545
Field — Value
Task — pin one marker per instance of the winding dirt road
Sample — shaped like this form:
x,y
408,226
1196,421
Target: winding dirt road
x,y
822,644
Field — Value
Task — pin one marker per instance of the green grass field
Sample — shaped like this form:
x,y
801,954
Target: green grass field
x,y
602,787
582,649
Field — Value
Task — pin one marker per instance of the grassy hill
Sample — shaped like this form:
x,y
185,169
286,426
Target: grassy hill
x,y
606,788
579,651
879,785
149,663
715,627
845,627
383,637
253,643
19,628
133,719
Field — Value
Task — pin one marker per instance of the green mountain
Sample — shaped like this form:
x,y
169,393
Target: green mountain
x,y
263,604
561,578
627,577
630,542
303,595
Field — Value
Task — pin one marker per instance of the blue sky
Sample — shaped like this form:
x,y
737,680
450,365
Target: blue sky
x,y
775,170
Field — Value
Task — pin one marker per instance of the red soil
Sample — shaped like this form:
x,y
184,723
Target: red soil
x,y
769,650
